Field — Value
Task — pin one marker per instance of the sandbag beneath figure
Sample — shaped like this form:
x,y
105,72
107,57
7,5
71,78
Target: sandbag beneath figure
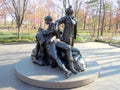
x,y
79,61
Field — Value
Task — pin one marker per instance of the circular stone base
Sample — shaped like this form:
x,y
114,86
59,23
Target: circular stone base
x,y
47,77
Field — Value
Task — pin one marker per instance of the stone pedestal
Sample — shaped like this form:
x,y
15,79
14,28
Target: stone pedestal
x,y
47,77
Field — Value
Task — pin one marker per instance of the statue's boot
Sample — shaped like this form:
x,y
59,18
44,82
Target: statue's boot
x,y
62,67
68,74
72,69
70,61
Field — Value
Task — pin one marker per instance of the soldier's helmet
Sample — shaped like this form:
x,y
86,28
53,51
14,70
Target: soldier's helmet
x,y
48,18
69,11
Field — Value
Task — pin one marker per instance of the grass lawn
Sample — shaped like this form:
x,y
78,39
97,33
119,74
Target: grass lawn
x,y
10,36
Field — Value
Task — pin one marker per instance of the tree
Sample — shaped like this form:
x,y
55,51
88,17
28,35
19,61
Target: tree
x,y
99,19
19,8
3,10
117,17
96,4
103,19
85,16
65,4
110,16
77,6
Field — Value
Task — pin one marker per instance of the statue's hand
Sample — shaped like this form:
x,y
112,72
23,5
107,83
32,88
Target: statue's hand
x,y
53,38
73,21
57,39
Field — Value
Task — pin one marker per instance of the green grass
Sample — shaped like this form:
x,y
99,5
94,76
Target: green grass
x,y
29,36
6,37
15,39
82,39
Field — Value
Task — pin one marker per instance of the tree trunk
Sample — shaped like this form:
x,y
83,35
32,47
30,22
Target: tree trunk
x,y
117,26
102,28
94,30
19,32
64,5
99,22
5,21
84,27
110,21
68,3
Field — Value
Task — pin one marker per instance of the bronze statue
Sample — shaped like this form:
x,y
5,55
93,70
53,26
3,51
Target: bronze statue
x,y
70,29
50,50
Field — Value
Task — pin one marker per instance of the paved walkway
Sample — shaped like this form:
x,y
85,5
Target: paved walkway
x,y
107,56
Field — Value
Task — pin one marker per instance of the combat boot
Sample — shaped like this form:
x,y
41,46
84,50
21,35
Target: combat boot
x,y
71,68
67,74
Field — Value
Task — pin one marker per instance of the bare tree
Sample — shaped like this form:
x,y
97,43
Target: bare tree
x,y
3,10
103,18
85,17
99,19
98,4
77,7
110,18
68,2
65,4
19,11
117,17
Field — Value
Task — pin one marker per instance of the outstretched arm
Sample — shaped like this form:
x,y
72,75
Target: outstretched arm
x,y
61,20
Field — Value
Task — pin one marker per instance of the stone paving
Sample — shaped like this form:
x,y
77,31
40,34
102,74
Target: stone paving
x,y
107,56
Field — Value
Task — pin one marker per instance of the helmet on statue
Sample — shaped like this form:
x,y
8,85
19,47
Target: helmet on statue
x,y
69,11
48,18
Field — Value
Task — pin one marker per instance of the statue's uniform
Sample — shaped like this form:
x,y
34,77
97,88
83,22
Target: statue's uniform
x,y
70,29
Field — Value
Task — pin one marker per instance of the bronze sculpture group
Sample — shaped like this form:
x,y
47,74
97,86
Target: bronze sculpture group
x,y
56,48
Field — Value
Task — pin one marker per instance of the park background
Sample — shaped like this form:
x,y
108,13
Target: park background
x,y
98,20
